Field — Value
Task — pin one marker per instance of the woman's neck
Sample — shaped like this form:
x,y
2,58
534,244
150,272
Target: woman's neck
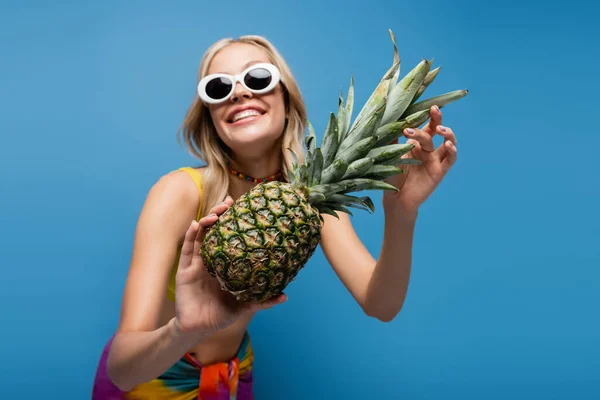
x,y
257,168
254,167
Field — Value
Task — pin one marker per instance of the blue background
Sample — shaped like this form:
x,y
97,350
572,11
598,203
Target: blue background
x,y
503,301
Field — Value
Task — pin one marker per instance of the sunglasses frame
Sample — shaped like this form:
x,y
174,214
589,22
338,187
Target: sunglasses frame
x,y
275,79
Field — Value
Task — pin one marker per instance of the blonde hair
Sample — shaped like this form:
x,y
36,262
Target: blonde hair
x,y
200,136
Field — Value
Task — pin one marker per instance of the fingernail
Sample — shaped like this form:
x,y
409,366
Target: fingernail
x,y
443,129
437,108
410,131
212,215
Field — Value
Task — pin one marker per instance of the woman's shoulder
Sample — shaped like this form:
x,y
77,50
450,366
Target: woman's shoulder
x,y
181,178
195,174
178,187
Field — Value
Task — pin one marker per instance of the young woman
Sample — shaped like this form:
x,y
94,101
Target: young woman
x,y
180,335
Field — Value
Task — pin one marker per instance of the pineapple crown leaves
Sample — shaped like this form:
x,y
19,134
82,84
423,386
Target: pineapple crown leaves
x,y
360,156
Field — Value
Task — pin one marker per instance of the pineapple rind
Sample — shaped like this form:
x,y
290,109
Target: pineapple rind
x,y
278,231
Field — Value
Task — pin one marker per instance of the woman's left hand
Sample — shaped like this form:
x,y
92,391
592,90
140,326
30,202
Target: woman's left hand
x,y
418,182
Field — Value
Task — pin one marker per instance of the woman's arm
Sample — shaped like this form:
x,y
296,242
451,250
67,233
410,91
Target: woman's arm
x,y
142,349
378,286
140,356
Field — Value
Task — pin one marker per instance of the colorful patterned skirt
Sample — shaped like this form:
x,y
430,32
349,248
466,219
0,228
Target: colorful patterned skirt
x,y
186,380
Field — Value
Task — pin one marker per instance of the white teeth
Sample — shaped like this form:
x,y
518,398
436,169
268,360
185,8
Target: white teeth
x,y
244,114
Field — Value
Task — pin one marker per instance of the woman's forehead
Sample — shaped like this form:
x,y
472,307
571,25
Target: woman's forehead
x,y
236,57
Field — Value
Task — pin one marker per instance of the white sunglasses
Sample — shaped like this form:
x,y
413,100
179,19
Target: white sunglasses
x,y
259,78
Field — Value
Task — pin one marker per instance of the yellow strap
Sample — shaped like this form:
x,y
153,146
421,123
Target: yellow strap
x,y
197,178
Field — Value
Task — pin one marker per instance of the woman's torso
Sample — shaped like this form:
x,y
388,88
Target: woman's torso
x,y
220,347
224,345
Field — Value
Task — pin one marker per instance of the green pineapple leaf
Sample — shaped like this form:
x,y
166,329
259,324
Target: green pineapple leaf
x,y
376,100
357,150
426,82
396,60
391,131
358,168
310,166
337,207
323,209
293,173
315,197
440,101
364,129
364,203
379,172
389,152
303,174
311,138
353,185
403,93
341,117
349,108
330,140
317,166
334,171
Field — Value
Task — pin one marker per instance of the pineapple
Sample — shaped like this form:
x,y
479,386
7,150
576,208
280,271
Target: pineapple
x,y
258,246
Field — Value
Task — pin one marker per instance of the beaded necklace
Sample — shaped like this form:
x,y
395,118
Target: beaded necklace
x,y
270,178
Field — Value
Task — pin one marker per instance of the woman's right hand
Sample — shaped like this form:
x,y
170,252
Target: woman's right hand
x,y
201,305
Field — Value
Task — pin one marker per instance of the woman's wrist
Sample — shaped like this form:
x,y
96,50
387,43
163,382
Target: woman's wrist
x,y
395,212
184,337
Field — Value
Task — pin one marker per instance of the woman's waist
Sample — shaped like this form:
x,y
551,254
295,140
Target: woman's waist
x,y
222,346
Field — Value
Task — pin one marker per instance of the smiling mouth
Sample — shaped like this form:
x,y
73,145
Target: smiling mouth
x,y
245,115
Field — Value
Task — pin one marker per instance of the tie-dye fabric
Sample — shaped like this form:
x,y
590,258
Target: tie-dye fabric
x,y
186,380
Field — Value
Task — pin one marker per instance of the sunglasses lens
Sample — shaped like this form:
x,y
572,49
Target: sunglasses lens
x,y
258,79
218,88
